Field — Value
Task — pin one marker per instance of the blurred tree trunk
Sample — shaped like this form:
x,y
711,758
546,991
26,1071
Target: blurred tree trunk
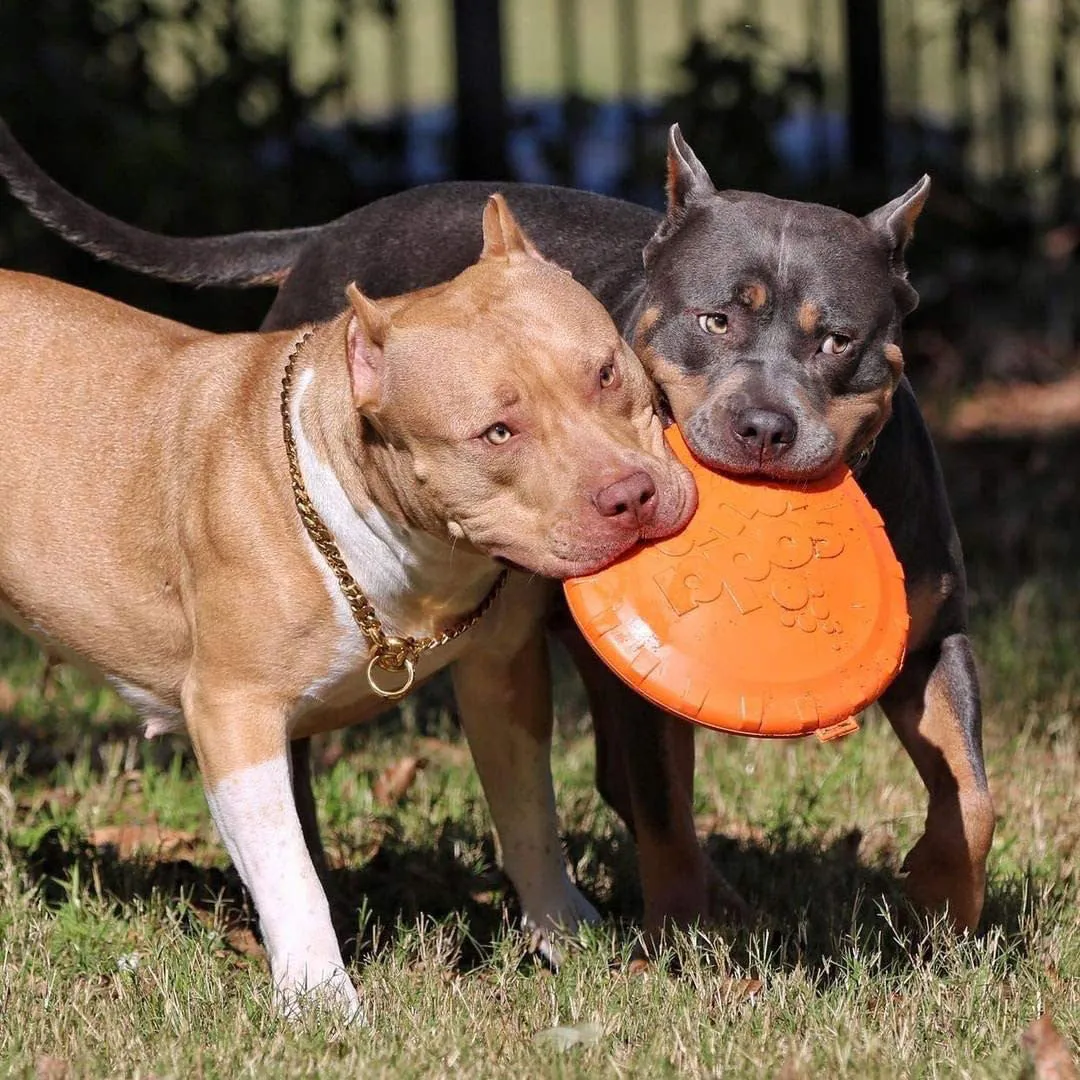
x,y
480,135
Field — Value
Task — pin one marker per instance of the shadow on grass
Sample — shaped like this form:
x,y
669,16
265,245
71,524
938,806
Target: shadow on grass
x,y
817,903
811,905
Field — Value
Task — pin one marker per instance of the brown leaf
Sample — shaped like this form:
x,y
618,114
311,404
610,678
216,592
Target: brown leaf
x,y
63,797
242,939
47,682
790,1069
49,1067
453,753
237,934
331,754
128,839
743,989
1049,1051
395,780
1018,409
9,696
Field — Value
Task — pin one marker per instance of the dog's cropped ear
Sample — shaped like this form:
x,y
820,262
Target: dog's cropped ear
x,y
364,340
503,236
687,178
894,224
895,221
687,181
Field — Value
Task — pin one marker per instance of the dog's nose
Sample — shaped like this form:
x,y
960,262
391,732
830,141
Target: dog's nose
x,y
630,501
769,433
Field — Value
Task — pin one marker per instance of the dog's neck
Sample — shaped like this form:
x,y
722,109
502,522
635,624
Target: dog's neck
x,y
419,583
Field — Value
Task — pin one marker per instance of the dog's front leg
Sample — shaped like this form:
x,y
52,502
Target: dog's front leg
x,y
934,707
241,746
506,711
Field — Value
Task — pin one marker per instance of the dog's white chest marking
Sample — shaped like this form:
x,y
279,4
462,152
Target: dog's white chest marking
x,y
414,581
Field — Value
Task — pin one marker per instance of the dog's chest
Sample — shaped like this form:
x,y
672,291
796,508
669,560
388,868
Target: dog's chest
x,y
344,695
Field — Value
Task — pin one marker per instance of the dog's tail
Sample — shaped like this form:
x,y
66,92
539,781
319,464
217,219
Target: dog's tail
x,y
239,260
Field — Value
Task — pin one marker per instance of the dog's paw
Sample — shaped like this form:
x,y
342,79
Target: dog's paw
x,y
327,991
550,930
946,869
943,880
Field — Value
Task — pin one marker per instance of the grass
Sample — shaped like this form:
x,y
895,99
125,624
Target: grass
x,y
117,960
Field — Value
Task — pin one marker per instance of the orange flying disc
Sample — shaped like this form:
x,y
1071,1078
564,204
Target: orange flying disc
x,y
779,610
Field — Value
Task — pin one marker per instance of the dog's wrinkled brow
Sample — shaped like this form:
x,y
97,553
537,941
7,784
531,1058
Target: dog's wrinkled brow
x,y
506,396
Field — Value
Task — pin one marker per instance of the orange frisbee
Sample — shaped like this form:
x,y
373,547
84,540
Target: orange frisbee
x,y
778,611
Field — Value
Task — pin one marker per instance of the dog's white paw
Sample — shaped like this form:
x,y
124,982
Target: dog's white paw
x,y
549,928
327,989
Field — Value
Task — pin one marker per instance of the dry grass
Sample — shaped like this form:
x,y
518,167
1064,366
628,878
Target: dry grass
x,y
127,948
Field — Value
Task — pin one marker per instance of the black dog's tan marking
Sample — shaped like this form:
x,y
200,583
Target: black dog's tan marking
x,y
761,397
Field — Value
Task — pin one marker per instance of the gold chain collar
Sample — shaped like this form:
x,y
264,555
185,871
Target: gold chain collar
x,y
389,652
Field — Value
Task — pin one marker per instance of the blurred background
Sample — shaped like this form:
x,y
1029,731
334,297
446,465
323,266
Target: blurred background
x,y
203,116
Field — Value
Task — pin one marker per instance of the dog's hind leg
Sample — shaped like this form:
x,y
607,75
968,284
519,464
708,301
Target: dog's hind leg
x,y
933,705
506,712
304,796
242,751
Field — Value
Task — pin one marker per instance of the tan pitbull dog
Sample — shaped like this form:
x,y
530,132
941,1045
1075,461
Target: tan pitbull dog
x,y
149,528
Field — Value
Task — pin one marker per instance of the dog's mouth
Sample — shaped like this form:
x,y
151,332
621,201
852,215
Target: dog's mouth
x,y
808,455
573,564
582,553
778,471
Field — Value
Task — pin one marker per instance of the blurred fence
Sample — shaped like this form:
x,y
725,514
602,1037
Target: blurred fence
x,y
193,116
784,94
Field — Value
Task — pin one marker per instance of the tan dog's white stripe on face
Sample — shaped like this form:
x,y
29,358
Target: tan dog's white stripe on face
x,y
254,812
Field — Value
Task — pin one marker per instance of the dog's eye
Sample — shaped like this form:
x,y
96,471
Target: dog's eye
x,y
836,345
498,434
607,376
713,322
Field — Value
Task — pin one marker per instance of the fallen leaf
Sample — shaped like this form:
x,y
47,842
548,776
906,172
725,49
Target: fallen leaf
x,y
564,1038
238,936
62,797
47,682
129,839
48,1067
331,754
243,940
737,990
395,780
789,1070
453,753
8,696
1049,1052
1018,409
